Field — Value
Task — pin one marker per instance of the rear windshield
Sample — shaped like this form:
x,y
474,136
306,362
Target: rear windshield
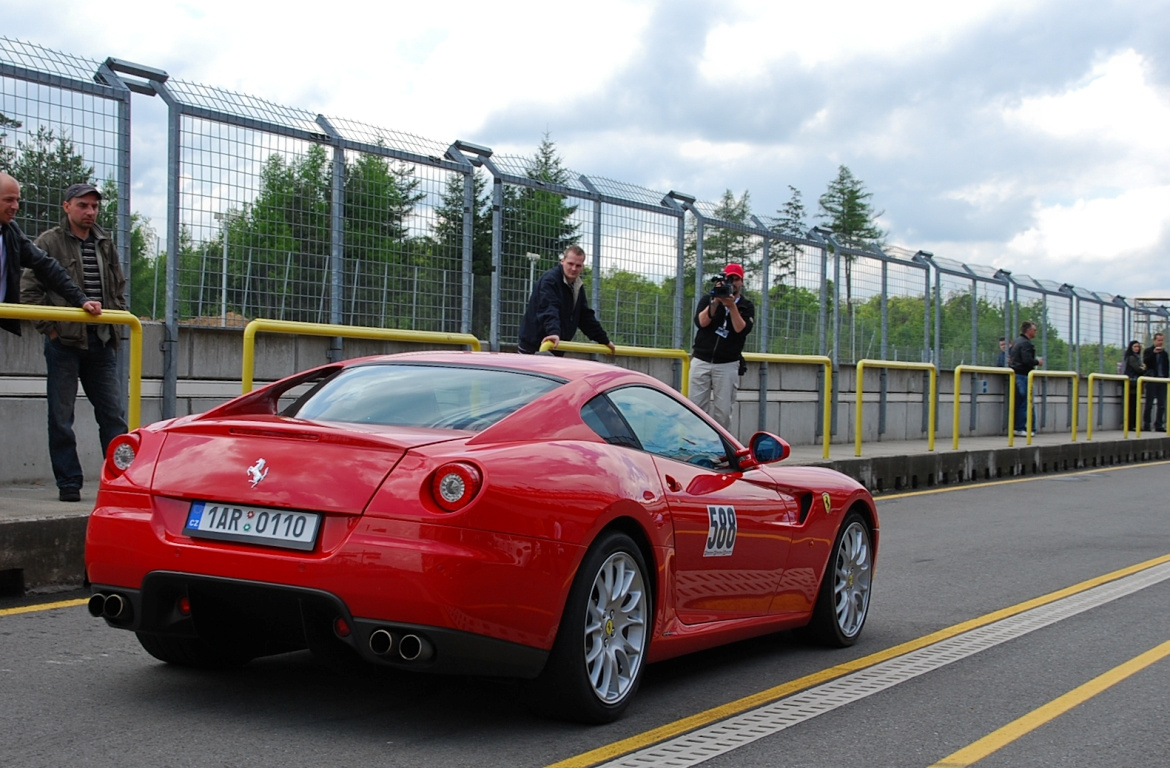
x,y
440,397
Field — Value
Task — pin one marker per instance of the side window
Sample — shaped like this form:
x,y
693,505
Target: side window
x,y
666,427
600,415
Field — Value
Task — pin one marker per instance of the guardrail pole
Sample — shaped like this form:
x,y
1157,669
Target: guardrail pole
x,y
1124,402
1075,399
344,331
973,369
107,317
1140,382
928,368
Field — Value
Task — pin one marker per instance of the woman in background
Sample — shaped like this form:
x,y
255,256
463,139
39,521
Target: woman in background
x,y
1132,366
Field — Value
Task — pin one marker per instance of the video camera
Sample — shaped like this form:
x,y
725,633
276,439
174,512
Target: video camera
x,y
721,286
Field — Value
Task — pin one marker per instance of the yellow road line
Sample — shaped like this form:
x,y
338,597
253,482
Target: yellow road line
x,y
1000,738
1011,480
679,727
43,606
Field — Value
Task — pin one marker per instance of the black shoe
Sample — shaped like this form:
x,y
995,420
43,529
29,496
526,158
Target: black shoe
x,y
69,494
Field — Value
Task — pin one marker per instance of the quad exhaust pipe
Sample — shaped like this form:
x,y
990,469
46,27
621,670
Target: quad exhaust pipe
x,y
408,647
109,606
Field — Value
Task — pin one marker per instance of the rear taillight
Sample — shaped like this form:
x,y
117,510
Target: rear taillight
x,y
121,454
454,485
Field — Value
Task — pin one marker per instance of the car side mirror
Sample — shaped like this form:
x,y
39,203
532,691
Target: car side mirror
x,y
768,449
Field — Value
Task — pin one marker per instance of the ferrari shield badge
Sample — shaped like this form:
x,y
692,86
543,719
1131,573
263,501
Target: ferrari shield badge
x,y
258,472
828,503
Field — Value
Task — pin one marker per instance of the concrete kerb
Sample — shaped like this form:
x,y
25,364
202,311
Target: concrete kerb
x,y
42,540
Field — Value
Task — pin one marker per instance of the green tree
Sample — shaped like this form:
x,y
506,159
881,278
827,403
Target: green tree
x,y
142,275
45,165
722,245
448,234
535,220
379,199
789,222
7,153
846,210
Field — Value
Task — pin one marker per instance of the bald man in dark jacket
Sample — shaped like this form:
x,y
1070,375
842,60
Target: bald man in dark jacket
x,y
18,252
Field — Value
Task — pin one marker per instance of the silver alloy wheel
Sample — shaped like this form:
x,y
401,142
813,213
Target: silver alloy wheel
x,y
615,627
851,579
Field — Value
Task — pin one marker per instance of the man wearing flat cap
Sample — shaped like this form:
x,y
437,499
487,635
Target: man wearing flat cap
x,y
723,320
80,351
17,252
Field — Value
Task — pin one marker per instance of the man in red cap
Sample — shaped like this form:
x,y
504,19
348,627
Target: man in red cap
x,y
723,320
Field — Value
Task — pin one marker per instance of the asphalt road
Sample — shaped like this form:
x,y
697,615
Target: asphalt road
x,y
78,693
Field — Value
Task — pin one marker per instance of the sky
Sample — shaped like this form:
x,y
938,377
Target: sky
x,y
1032,135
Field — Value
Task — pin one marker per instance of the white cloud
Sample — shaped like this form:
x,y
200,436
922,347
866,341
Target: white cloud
x,y
1100,229
764,32
1114,103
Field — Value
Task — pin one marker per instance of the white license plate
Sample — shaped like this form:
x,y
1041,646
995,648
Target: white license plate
x,y
253,525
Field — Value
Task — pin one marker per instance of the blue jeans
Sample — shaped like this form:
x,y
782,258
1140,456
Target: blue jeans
x,y
97,369
1021,403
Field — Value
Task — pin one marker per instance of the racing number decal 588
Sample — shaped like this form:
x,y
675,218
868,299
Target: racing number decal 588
x,y
720,531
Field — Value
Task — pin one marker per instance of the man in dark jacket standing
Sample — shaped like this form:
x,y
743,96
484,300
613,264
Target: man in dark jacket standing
x,y
1157,364
557,307
1022,360
16,252
723,320
80,351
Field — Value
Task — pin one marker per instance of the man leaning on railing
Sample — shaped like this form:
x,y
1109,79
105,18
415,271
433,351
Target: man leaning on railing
x,y
17,252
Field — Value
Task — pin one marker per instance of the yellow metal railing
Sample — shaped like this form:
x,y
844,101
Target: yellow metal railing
x,y
1093,377
346,331
581,347
109,317
1153,380
822,360
931,410
1011,393
1076,401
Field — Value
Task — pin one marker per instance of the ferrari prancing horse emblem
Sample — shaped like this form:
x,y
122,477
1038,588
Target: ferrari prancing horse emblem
x,y
824,499
258,472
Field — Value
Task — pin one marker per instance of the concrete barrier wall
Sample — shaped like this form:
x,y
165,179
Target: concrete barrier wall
x,y
209,371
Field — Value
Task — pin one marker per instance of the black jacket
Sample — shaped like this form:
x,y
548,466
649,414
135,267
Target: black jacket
x,y
1157,363
719,342
21,253
552,312
1023,356
1133,365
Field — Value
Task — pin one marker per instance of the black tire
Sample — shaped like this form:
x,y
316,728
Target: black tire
x,y
598,658
843,599
191,652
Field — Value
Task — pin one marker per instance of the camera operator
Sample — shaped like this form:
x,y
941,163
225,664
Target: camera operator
x,y
723,320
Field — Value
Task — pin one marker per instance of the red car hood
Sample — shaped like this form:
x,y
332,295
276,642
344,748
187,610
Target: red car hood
x,y
283,463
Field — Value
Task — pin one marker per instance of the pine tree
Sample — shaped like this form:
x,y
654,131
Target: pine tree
x,y
448,232
46,165
537,220
847,212
789,222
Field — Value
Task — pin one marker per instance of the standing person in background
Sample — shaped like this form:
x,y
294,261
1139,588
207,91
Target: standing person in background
x,y
723,320
1132,366
1022,361
1157,364
78,351
558,307
1001,358
17,252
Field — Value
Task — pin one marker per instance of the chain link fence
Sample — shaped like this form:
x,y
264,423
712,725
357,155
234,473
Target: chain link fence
x,y
283,213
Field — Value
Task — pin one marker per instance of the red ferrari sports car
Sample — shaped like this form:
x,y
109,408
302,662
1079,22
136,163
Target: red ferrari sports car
x,y
560,521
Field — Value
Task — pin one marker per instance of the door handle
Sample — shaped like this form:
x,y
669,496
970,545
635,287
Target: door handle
x,y
673,484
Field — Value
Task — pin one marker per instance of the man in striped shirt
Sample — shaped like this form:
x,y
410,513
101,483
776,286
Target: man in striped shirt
x,y
79,351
